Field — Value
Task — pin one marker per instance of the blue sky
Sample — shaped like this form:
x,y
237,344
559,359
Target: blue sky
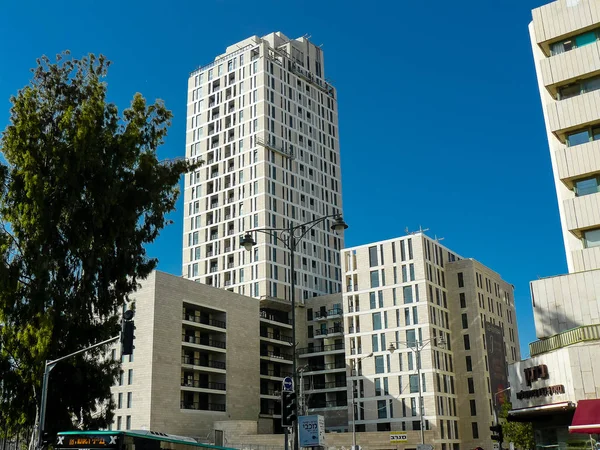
x,y
440,118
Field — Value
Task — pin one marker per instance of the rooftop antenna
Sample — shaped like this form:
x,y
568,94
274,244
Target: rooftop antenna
x,y
438,239
420,230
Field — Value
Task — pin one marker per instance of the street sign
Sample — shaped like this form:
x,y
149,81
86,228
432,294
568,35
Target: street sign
x,y
287,384
397,437
312,431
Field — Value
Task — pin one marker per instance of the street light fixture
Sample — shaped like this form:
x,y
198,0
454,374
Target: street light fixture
x,y
290,237
354,404
417,347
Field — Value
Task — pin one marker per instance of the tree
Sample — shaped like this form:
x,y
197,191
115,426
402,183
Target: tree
x,y
82,193
519,433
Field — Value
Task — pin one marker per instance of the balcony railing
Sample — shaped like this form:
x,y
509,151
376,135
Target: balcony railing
x,y
276,336
203,341
566,338
329,404
275,373
203,385
269,391
326,385
335,312
205,320
198,362
322,348
327,366
203,406
274,318
272,354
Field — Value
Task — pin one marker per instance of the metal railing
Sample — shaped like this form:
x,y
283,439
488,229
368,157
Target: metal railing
x,y
327,366
203,407
204,320
322,348
275,373
272,354
222,59
276,336
564,339
325,385
274,318
203,341
203,385
198,362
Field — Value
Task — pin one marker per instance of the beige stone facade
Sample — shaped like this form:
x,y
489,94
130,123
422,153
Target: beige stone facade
x,y
196,359
412,291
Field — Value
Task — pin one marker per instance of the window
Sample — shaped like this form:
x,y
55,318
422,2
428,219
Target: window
x,y
471,385
407,292
375,343
582,136
565,45
377,387
121,378
467,342
129,399
586,186
591,238
469,364
120,400
130,376
119,423
374,278
413,381
381,409
128,423
410,338
379,364
463,300
475,430
473,407
461,281
372,300
373,257
465,321
376,318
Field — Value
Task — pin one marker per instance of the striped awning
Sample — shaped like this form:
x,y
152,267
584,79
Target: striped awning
x,y
587,417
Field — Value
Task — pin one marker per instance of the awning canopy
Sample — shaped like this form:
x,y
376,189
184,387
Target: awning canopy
x,y
534,413
587,417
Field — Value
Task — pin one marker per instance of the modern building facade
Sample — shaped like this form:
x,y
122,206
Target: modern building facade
x,y
413,292
264,121
556,384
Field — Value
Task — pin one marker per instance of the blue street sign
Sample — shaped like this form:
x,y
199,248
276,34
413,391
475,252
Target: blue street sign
x,y
288,384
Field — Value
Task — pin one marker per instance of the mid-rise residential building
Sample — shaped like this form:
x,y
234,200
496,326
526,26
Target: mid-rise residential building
x,y
558,387
264,120
412,292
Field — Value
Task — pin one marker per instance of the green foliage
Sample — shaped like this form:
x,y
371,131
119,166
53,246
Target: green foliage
x,y
82,193
520,433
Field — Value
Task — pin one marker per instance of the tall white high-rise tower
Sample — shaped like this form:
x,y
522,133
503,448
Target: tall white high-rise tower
x,y
265,122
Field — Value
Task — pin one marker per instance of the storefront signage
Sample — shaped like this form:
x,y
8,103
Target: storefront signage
x,y
536,373
541,392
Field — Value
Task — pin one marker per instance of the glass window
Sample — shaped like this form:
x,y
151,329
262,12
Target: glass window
x,y
130,376
128,423
467,342
461,281
120,400
410,338
376,317
465,321
373,257
375,343
407,291
592,238
586,186
577,138
585,39
381,411
129,399
463,301
591,85
473,405
374,278
372,300
469,364
471,385
379,364
414,383
569,91
475,430
380,298
377,387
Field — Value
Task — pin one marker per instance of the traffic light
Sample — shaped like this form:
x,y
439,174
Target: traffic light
x,y
127,336
497,433
45,441
288,409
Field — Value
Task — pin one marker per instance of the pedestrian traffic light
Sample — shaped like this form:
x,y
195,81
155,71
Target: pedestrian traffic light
x,y
288,409
497,433
127,336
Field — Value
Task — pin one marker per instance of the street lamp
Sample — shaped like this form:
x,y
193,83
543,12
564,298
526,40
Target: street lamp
x,y
354,403
291,237
417,347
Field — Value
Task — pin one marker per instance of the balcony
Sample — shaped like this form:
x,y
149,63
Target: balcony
x,y
318,315
276,148
273,318
203,385
277,355
203,341
208,363
573,112
577,161
204,320
329,404
326,385
276,336
320,349
567,66
356,351
203,406
275,373
269,391
269,412
570,337
326,367
335,313
579,212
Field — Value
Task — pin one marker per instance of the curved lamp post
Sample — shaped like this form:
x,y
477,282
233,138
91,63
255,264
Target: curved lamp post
x,y
291,237
354,403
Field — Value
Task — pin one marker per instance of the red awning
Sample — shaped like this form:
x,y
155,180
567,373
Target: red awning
x,y
587,417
